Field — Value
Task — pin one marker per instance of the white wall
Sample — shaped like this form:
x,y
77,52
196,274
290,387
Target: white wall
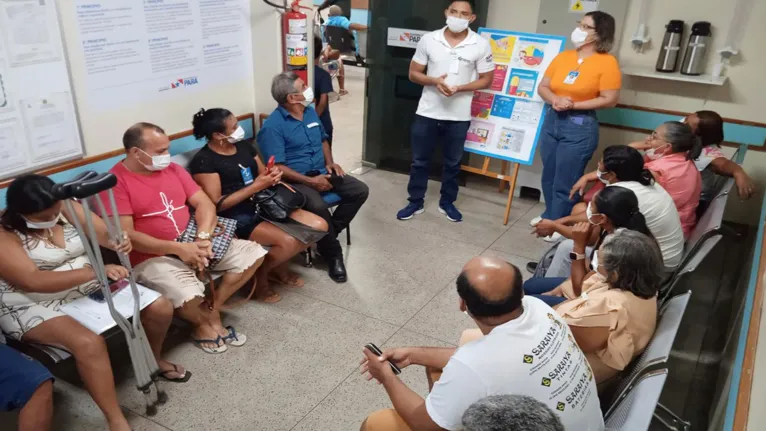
x,y
742,98
102,130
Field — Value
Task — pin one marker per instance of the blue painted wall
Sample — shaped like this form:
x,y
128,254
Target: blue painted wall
x,y
749,135
178,146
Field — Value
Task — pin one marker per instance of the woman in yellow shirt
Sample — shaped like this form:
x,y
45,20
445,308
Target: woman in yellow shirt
x,y
576,84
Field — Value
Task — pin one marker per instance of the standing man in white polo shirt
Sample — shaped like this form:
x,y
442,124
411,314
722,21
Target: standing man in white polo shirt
x,y
450,63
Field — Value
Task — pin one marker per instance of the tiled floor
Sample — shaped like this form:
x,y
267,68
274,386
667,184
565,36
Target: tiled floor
x,y
298,370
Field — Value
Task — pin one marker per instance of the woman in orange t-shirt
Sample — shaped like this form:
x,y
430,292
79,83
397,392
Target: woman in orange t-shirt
x,y
576,84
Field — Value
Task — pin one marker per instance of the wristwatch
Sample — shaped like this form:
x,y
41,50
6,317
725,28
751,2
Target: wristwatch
x,y
203,236
576,256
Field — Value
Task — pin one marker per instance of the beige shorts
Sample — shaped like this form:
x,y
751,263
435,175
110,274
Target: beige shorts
x,y
385,420
179,283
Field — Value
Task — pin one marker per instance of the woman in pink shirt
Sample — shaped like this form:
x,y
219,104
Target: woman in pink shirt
x,y
670,158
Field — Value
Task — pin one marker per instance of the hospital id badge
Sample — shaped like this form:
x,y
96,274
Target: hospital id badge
x,y
247,175
572,77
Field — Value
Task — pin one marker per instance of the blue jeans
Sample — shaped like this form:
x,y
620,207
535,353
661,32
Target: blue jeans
x,y
426,134
20,376
567,142
537,286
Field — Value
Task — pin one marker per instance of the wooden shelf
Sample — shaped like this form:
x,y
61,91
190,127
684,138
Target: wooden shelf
x,y
676,76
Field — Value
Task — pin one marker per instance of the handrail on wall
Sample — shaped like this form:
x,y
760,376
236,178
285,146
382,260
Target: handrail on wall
x,y
109,154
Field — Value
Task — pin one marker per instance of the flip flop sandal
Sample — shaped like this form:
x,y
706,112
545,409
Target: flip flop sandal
x,y
220,348
183,379
271,299
289,281
234,338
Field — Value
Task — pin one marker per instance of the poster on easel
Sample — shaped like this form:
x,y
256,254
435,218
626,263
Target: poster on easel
x,y
508,116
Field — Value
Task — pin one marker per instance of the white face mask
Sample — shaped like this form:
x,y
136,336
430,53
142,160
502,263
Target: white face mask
x,y
42,224
651,153
601,178
158,162
237,136
579,36
589,214
308,94
457,25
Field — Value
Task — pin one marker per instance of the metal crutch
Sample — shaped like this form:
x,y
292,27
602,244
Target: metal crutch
x,y
86,188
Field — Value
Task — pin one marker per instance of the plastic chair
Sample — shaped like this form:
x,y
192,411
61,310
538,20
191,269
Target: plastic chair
x,y
332,200
696,258
711,223
635,411
656,353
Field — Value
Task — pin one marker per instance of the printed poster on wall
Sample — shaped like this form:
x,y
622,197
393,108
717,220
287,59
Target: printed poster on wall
x,y
154,50
507,117
38,119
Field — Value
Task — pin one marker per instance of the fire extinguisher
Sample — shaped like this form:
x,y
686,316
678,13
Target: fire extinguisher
x,y
295,42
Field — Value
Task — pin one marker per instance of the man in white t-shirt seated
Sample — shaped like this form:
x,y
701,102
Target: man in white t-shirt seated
x,y
527,349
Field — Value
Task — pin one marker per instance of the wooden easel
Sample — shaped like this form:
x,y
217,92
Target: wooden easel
x,y
503,177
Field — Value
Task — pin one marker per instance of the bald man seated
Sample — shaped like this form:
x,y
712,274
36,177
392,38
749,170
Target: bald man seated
x,y
524,348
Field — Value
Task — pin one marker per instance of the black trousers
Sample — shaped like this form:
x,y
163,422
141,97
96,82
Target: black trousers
x,y
353,195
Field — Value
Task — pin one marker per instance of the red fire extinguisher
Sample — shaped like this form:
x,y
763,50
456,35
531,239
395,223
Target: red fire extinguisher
x,y
295,42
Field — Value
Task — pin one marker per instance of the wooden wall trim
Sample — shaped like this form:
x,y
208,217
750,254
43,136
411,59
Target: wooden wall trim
x,y
61,167
742,411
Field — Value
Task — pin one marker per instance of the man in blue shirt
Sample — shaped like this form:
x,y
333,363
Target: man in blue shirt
x,y
295,136
343,4
337,19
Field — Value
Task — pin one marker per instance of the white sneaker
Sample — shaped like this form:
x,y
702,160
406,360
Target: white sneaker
x,y
535,221
555,237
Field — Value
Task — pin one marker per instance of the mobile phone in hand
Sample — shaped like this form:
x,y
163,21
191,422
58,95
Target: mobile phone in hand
x,y
374,349
270,165
98,295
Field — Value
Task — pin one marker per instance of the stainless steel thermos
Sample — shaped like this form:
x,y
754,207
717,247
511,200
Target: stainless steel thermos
x,y
670,51
699,41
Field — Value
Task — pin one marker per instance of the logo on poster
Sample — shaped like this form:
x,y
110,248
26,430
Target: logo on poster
x,y
404,37
410,37
181,83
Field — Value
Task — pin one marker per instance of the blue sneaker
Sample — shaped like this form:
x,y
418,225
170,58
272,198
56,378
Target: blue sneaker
x,y
410,211
451,212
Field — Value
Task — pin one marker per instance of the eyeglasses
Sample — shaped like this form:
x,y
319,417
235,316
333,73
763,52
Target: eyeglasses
x,y
585,26
656,137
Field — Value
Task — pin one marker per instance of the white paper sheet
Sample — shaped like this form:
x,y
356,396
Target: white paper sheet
x,y
95,315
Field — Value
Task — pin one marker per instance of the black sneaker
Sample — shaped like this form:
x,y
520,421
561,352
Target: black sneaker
x,y
532,267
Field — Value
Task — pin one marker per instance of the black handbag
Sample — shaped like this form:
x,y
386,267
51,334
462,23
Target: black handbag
x,y
278,202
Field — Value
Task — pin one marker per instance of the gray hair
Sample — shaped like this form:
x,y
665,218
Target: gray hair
x,y
335,10
633,262
682,139
510,412
283,85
